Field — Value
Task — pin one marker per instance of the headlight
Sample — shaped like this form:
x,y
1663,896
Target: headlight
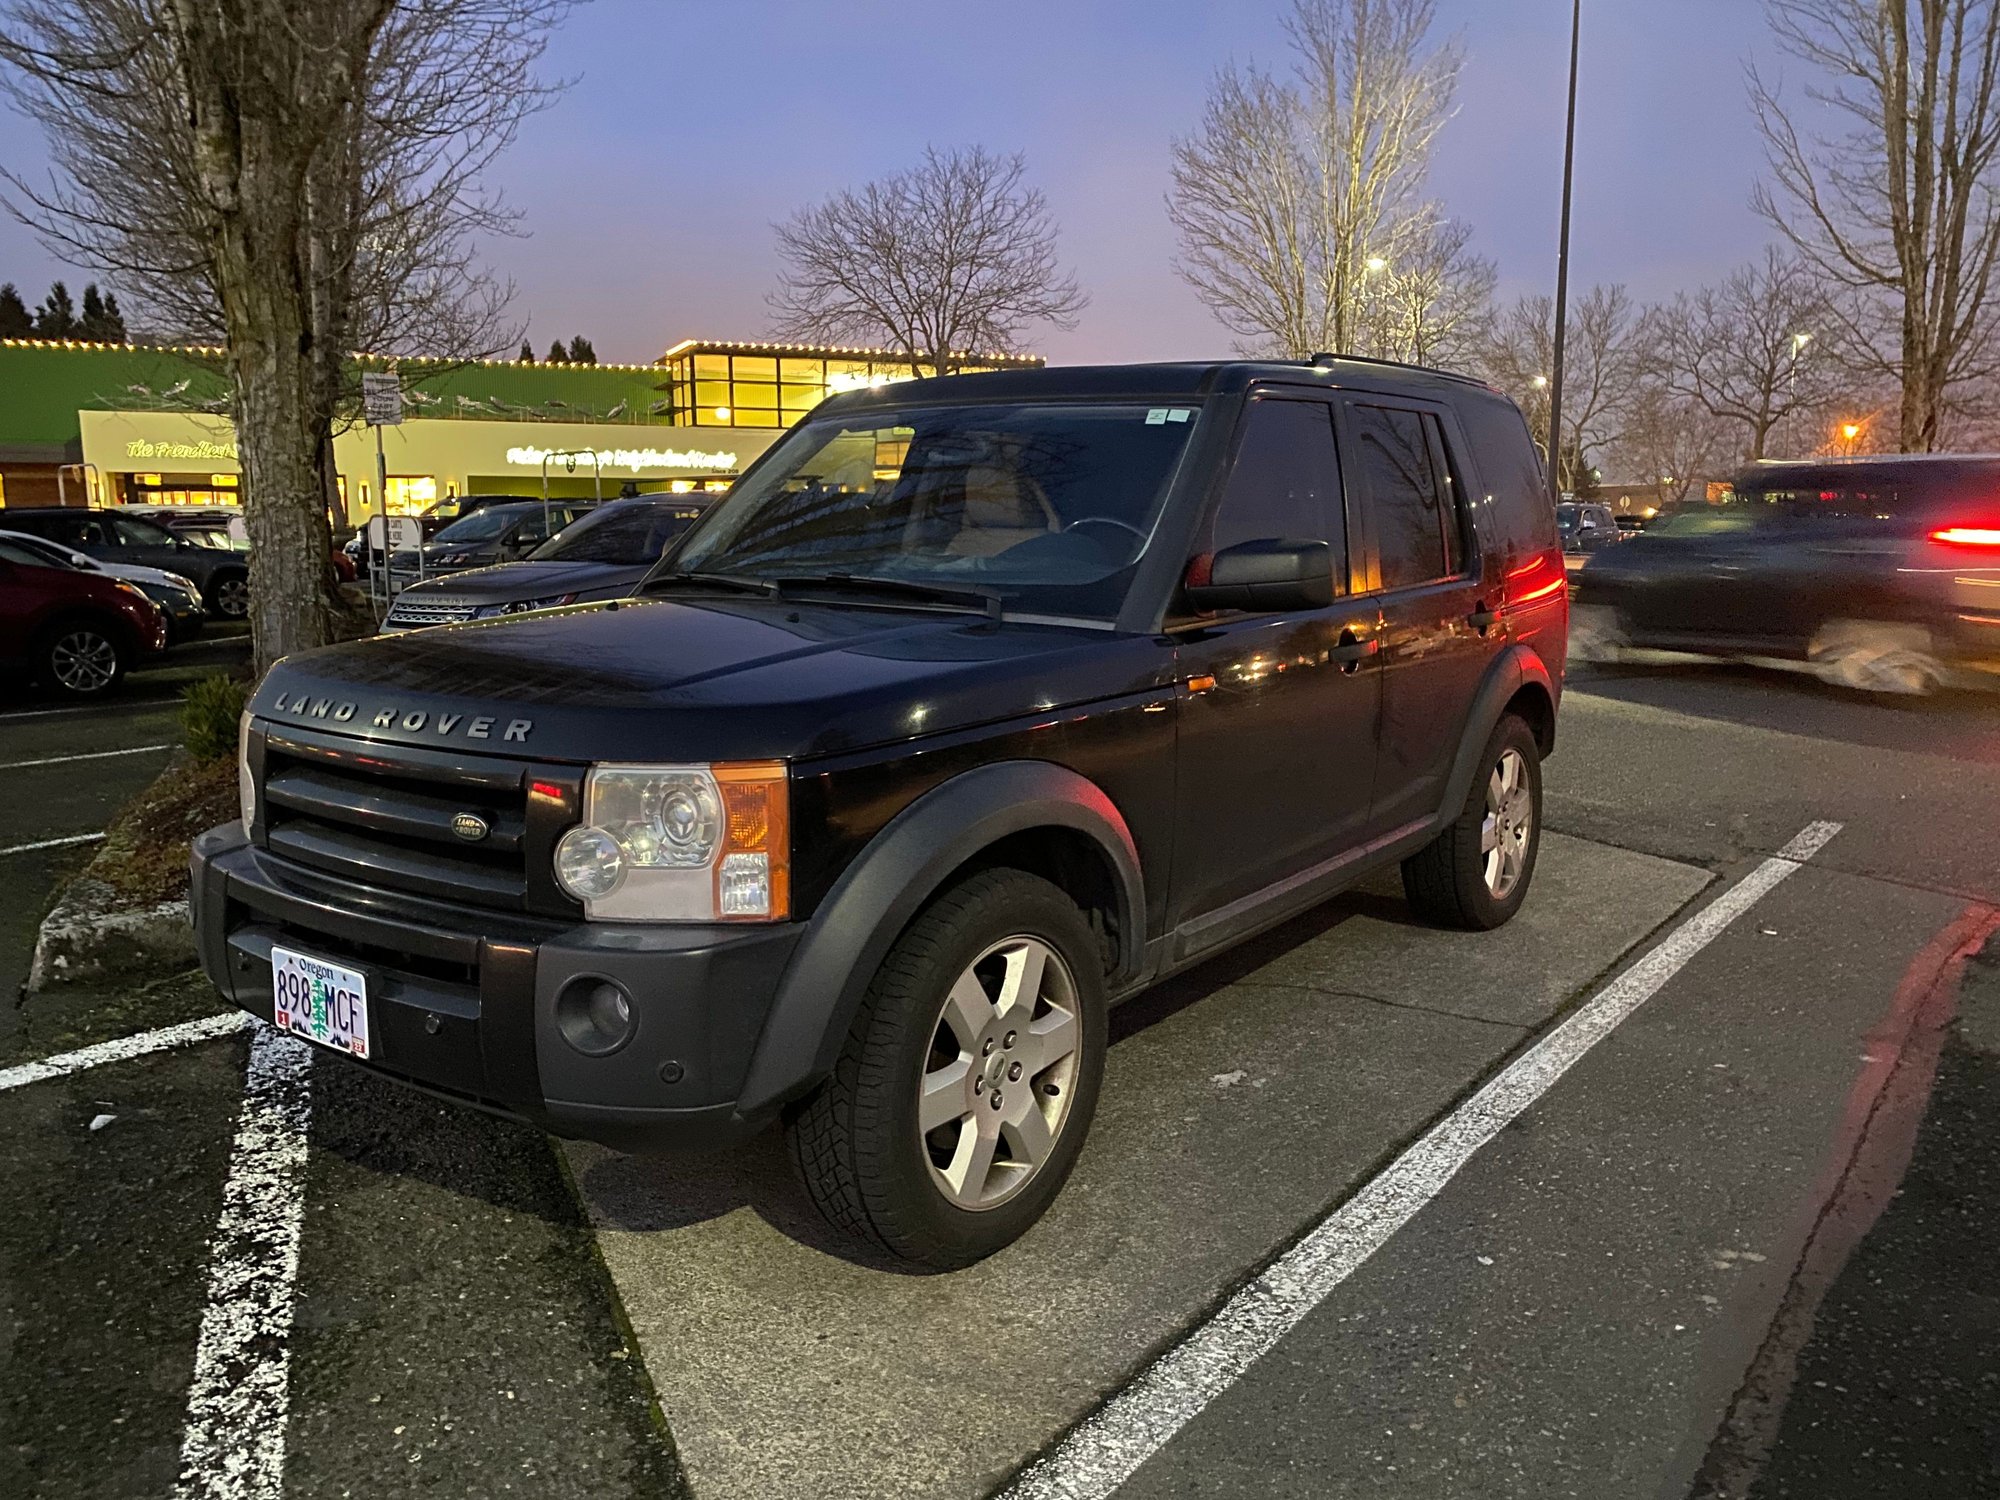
x,y
246,784
681,844
522,606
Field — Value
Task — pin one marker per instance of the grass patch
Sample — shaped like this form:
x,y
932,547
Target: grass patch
x,y
144,857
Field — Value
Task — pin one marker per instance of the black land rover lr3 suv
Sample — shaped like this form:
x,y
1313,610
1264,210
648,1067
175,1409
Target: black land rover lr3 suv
x,y
979,704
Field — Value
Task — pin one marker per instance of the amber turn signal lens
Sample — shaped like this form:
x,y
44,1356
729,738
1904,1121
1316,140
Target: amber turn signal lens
x,y
753,873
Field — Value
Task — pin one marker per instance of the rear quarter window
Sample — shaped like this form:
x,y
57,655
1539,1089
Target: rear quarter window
x,y
1509,469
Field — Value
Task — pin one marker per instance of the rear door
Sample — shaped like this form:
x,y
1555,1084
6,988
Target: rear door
x,y
1439,622
1276,759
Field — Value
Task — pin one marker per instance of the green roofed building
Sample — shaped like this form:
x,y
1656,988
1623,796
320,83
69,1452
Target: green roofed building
x,y
120,424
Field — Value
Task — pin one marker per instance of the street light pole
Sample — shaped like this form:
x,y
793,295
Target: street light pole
x,y
1562,265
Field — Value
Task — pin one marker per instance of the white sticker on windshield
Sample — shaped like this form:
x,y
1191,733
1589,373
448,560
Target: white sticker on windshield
x,y
1178,413
1156,417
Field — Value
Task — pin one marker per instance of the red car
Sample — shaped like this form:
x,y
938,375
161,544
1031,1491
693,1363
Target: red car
x,y
77,632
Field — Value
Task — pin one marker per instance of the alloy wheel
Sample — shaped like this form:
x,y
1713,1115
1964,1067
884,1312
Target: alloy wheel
x,y
84,661
232,597
996,1089
1509,825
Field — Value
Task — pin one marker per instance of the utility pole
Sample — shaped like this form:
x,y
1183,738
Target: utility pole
x,y
1562,266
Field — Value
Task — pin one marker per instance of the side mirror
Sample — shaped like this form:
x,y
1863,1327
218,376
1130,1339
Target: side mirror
x,y
1267,575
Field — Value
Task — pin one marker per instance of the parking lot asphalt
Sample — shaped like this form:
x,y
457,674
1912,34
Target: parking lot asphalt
x,y
1684,1270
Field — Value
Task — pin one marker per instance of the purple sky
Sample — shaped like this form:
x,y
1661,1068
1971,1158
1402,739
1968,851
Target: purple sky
x,y
650,189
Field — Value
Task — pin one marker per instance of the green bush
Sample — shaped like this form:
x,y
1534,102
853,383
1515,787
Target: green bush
x,y
210,712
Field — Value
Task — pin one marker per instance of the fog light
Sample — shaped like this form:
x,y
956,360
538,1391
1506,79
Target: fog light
x,y
594,1015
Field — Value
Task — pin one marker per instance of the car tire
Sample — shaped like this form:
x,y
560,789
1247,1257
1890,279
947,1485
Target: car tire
x,y
1873,656
229,595
1476,873
81,658
939,1037
1597,634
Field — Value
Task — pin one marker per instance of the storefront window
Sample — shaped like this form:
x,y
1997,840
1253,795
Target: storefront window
x,y
408,494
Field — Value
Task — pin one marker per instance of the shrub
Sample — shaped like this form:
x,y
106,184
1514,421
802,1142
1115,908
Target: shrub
x,y
210,713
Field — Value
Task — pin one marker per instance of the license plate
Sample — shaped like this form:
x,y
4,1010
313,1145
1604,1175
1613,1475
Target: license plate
x,y
320,1001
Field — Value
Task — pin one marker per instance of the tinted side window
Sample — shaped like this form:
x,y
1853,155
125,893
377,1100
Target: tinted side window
x,y
1285,483
1416,519
1510,470
135,533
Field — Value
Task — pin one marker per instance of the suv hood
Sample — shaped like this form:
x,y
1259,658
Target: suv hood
x,y
526,580
674,680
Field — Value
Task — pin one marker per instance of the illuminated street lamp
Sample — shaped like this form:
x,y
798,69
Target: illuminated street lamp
x,y
1850,430
1541,382
1376,264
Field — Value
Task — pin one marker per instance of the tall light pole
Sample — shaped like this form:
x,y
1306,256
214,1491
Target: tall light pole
x,y
1562,265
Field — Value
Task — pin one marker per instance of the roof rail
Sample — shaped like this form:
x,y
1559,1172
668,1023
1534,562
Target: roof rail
x,y
1326,361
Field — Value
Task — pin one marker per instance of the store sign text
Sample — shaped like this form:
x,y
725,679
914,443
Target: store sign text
x,y
206,448
633,459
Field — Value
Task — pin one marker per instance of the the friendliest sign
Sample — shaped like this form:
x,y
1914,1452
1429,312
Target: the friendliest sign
x,y
633,459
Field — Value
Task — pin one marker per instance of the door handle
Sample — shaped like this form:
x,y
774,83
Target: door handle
x,y
1352,650
1482,619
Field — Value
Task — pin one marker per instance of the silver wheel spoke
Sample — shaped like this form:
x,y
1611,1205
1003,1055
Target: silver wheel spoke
x,y
1054,1037
1029,1138
1023,984
972,1162
967,1011
1489,834
944,1095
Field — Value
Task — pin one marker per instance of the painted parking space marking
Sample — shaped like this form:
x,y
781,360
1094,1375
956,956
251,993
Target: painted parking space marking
x,y
239,1402
119,1049
63,760
61,843
1103,1451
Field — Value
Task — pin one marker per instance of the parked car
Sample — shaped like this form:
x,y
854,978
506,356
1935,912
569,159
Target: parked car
x,y
1877,573
112,536
178,598
599,556
491,534
434,518
1584,527
978,704
77,632
1631,521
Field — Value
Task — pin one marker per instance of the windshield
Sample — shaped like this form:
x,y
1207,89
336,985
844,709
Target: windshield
x,y
634,533
1047,507
482,525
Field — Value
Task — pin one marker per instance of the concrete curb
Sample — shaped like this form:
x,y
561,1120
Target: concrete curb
x,y
90,937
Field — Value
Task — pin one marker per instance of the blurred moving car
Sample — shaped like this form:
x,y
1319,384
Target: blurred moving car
x,y
492,534
1583,527
76,631
112,536
178,598
603,555
1629,522
1881,574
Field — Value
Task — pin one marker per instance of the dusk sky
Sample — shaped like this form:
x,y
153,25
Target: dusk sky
x,y
650,188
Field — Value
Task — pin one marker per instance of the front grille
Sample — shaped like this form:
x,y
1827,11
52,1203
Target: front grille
x,y
409,613
383,815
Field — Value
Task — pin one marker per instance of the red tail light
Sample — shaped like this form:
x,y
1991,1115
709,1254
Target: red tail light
x,y
1968,536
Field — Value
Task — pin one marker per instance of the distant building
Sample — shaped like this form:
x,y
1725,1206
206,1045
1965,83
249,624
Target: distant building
x,y
115,424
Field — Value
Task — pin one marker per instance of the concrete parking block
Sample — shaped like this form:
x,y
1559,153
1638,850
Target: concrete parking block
x,y
1239,1102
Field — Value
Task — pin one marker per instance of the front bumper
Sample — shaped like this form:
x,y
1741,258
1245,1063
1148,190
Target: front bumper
x,y
464,1003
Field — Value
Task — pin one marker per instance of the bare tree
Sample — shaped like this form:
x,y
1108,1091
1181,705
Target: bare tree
x,y
293,181
1894,201
1432,305
1296,198
1607,359
1674,442
955,255
1756,349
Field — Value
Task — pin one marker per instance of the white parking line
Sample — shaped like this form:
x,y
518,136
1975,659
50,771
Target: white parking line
x,y
1109,1446
61,843
63,760
121,1048
238,1404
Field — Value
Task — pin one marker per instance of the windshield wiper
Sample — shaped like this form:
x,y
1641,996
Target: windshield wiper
x,y
739,582
963,596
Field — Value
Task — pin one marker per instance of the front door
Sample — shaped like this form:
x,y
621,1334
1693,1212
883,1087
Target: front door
x,y
1439,618
1277,719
